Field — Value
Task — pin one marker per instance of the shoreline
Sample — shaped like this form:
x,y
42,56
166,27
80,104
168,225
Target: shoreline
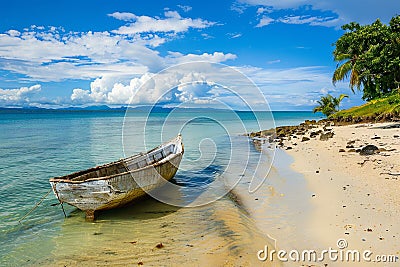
x,y
353,196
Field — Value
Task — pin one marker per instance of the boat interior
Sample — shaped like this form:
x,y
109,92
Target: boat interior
x,y
124,165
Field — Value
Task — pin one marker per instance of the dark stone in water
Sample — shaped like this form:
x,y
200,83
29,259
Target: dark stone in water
x,y
369,150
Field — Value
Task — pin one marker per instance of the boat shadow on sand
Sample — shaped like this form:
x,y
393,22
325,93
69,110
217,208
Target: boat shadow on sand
x,y
144,208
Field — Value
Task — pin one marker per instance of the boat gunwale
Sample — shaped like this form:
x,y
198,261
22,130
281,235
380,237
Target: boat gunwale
x,y
162,161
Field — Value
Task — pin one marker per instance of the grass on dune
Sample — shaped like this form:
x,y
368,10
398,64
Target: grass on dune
x,y
377,107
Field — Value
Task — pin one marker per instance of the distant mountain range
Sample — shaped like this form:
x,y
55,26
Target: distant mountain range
x,y
104,108
89,108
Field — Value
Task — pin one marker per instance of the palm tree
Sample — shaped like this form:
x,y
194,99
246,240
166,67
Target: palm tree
x,y
339,99
329,104
349,67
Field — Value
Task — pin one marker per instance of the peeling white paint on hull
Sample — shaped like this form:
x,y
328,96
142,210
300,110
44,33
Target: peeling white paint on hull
x,y
118,183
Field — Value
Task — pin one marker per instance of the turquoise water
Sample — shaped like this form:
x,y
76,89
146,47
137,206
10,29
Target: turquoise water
x,y
36,146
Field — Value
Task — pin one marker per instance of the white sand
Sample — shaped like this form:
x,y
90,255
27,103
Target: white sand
x,y
353,197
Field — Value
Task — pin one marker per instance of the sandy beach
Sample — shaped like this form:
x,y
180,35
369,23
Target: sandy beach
x,y
352,196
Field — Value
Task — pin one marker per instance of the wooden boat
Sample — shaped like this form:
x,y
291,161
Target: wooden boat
x,y
118,183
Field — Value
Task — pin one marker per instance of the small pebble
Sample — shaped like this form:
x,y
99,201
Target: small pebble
x,y
159,245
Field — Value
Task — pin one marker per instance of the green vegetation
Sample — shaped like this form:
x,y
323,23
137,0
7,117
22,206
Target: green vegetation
x,y
329,104
369,56
375,108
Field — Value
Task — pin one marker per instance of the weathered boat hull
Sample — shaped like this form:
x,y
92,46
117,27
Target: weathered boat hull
x,y
104,193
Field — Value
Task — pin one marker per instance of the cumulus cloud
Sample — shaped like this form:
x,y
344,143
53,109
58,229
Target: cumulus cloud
x,y
180,85
20,96
52,54
203,83
172,23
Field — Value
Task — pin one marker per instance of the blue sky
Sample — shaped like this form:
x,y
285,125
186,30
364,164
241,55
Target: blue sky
x,y
94,52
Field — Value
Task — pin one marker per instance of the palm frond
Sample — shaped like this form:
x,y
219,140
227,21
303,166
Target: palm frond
x,y
342,72
341,57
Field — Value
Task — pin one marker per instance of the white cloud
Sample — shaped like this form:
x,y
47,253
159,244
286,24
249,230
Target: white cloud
x,y
262,10
188,83
13,33
51,54
185,8
203,83
172,23
237,7
310,20
264,21
274,61
277,4
313,21
20,96
125,16
216,57
365,11
207,36
87,56
234,35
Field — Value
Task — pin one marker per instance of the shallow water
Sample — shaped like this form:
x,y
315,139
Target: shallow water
x,y
36,146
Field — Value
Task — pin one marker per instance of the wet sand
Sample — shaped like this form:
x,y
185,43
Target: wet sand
x,y
218,234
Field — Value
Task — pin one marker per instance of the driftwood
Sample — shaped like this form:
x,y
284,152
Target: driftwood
x,y
389,173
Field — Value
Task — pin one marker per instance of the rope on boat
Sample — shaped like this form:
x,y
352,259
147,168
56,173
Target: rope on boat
x,y
62,207
37,205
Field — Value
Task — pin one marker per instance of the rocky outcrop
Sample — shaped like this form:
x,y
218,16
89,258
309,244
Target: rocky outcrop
x,y
304,132
377,117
